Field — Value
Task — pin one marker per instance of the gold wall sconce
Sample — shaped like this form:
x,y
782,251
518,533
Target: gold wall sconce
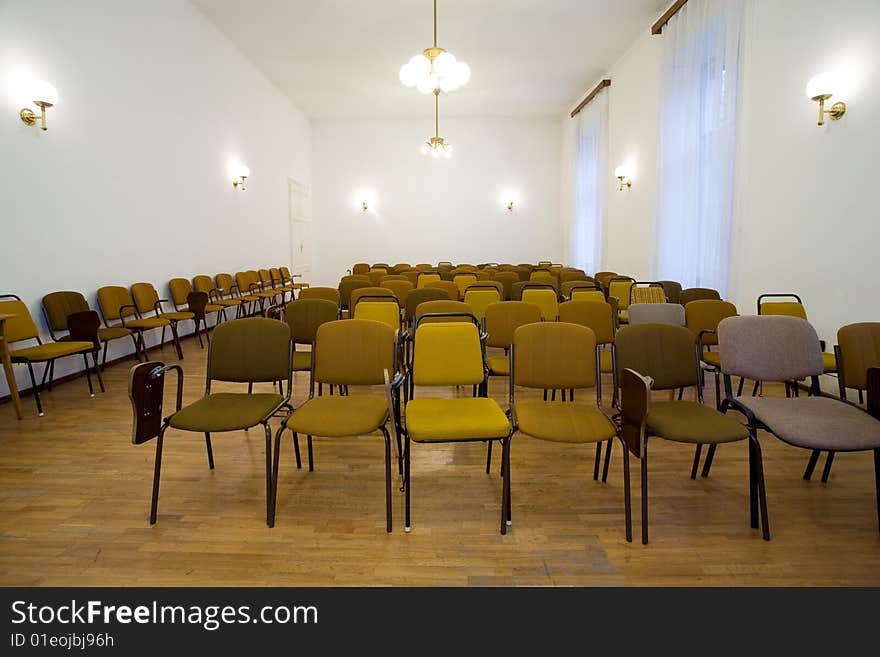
x,y
44,95
622,176
364,206
241,175
510,206
820,89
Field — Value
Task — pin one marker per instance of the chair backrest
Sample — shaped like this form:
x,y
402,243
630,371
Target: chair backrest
x,y
672,290
462,281
425,279
412,275
392,277
304,316
20,327
275,275
544,276
507,279
522,272
769,348
447,354
554,355
859,351
202,283
792,306
285,273
112,298
196,303
705,315
478,297
145,297
354,352
423,266
635,404
380,265
665,353
58,305
656,313
567,275
647,293
250,350
442,306
242,281
224,284
419,296
598,316
400,288
620,287
347,287
451,289
180,288
380,309
370,292
326,293
376,275
401,266
503,318
360,268
545,299
697,293
569,287
604,277
266,278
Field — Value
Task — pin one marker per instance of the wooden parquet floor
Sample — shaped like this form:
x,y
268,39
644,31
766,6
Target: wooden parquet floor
x,y
75,498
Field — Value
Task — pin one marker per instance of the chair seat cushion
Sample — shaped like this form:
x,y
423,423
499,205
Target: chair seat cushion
x,y
42,352
829,363
563,422
336,416
692,422
178,316
249,297
214,308
226,411
148,323
498,365
816,422
302,361
112,333
467,418
227,303
712,358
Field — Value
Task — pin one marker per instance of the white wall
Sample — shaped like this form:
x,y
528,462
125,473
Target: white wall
x,y
805,215
130,182
427,210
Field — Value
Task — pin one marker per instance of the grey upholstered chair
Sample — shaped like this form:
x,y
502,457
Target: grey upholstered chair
x,y
780,348
656,313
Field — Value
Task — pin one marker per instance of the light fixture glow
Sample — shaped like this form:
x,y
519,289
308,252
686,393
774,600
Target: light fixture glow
x,y
40,93
364,199
240,175
509,199
435,69
622,174
820,88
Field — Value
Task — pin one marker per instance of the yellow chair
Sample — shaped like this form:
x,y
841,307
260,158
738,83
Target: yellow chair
x,y
544,276
360,268
582,291
181,289
793,307
451,354
146,300
326,293
227,288
304,317
451,289
116,303
202,283
502,319
561,356
22,327
545,298
478,296
400,288
642,292
379,308
620,287
462,281
376,275
425,279
347,353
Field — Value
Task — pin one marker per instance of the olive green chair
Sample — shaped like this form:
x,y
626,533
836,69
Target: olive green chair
x,y
251,350
355,352
304,316
202,283
146,301
116,303
22,327
57,306
228,288
181,290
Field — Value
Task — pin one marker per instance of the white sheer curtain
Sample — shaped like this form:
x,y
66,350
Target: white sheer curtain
x,y
701,54
588,189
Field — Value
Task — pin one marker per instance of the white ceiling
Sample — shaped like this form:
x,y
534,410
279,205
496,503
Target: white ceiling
x,y
340,58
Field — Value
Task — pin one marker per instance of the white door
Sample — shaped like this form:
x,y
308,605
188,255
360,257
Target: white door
x,y
300,197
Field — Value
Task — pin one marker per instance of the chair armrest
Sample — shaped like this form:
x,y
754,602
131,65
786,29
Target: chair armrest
x,y
157,307
700,337
128,305
160,371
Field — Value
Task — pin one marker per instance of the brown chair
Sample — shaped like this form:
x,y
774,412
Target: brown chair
x,y
326,293
376,275
347,353
252,350
502,319
507,279
360,268
561,356
567,275
206,284
412,275
604,277
784,348
672,290
451,289
417,297
662,357
370,292
58,306
346,288
116,303
857,351
181,289
83,341
146,301
697,293
400,288
304,316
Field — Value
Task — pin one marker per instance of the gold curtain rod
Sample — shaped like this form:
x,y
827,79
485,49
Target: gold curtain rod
x,y
599,87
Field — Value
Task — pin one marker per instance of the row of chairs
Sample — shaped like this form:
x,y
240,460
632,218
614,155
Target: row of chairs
x,y
449,350
128,313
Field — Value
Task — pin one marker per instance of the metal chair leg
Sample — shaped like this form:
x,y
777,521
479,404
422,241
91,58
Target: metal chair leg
x,y
98,370
275,460
270,517
88,375
488,456
104,358
827,470
407,484
696,464
210,450
311,463
505,491
176,340
607,460
299,464
811,464
598,459
762,491
36,390
753,486
157,470
627,493
877,483
644,492
708,464
387,478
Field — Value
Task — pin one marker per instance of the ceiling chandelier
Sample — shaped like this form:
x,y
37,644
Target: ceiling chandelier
x,y
435,69
436,145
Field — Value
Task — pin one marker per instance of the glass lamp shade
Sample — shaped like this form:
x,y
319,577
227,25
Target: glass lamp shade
x,y
820,85
620,172
242,171
41,91
444,64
